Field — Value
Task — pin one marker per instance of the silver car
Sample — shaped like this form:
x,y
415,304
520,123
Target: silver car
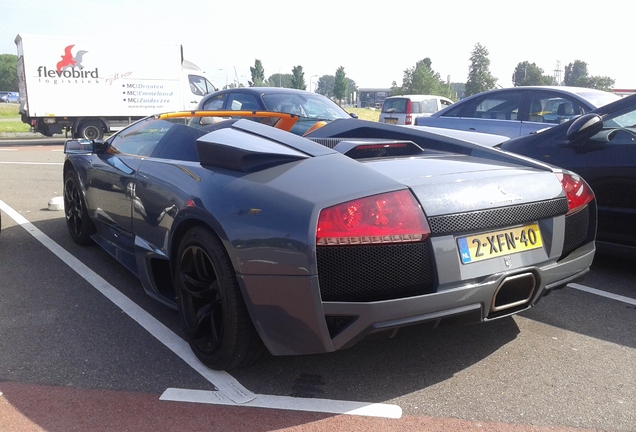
x,y
266,242
518,111
404,109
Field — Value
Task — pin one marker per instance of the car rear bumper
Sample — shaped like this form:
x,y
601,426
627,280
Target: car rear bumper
x,y
292,319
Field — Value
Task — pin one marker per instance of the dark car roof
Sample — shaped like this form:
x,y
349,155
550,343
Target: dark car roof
x,y
260,90
266,90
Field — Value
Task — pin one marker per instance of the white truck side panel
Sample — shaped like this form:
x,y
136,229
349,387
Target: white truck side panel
x,y
71,77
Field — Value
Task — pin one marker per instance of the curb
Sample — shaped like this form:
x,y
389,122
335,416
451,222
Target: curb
x,y
28,135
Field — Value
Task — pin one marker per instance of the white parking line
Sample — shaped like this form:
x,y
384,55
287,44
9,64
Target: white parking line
x,y
231,392
602,293
287,403
32,163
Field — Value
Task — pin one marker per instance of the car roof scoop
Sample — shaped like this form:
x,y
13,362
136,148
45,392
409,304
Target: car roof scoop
x,y
247,146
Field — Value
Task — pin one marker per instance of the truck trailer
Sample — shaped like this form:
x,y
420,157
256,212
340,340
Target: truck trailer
x,y
93,87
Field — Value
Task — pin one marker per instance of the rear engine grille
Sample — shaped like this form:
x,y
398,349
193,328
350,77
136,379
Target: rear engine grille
x,y
577,230
328,142
363,273
387,152
499,217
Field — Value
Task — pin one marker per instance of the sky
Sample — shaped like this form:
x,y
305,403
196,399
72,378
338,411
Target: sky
x,y
373,41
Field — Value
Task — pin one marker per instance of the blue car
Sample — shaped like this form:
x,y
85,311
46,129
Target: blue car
x,y
9,97
517,111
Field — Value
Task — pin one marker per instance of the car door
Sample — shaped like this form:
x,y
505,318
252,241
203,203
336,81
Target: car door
x,y
494,112
110,186
198,87
545,108
160,188
214,102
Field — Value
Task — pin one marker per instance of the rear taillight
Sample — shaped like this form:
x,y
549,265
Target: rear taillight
x,y
393,217
577,191
409,109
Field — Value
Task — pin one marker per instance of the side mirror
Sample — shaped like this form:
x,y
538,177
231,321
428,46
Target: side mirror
x,y
79,146
84,146
584,127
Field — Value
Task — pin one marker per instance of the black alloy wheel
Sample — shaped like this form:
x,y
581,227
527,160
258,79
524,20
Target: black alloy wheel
x,y
217,324
79,224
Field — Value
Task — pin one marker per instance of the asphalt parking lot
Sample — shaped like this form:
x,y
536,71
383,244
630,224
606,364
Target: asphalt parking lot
x,y
73,319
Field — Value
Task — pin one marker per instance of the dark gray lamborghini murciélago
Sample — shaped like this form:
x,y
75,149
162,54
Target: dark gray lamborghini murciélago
x,y
270,242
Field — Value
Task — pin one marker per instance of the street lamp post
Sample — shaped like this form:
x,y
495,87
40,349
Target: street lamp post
x,y
225,76
310,79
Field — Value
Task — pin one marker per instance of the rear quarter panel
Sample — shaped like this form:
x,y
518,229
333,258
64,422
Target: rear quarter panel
x,y
267,220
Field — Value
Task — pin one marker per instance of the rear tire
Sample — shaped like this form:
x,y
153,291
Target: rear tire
x,y
216,321
80,226
91,130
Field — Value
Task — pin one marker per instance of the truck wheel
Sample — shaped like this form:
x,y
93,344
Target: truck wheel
x,y
79,224
91,130
217,324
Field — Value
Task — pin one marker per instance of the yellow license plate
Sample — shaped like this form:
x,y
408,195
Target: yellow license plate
x,y
499,243
390,120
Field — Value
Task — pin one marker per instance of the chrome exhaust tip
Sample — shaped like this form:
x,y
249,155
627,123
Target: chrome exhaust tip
x,y
513,292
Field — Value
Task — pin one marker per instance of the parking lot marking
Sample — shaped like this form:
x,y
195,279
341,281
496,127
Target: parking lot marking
x,y
32,163
221,380
230,390
602,293
287,403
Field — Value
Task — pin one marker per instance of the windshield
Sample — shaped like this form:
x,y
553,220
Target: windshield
x,y
598,99
315,107
623,119
394,105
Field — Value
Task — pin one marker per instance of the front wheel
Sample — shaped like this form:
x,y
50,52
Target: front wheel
x,y
217,324
79,224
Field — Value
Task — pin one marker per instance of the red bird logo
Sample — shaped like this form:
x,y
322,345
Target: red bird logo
x,y
68,61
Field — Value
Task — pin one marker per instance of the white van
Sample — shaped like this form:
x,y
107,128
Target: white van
x,y
403,109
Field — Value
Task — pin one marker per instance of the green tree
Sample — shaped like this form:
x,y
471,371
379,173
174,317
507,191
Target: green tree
x,y
479,77
9,72
325,85
421,79
576,75
601,83
298,78
527,74
340,84
258,74
280,80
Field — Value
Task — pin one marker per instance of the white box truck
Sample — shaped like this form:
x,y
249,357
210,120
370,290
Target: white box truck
x,y
91,87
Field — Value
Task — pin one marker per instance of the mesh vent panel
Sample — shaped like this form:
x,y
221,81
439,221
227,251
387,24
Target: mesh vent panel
x,y
374,272
499,217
